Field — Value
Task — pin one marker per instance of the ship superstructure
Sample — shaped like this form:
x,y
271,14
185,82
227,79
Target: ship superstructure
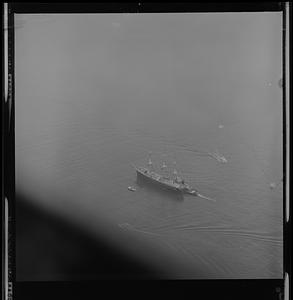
x,y
164,178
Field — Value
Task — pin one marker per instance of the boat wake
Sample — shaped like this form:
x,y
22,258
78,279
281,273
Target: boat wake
x,y
223,230
206,198
228,231
127,226
217,156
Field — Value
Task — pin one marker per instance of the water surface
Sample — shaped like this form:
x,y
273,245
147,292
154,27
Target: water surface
x,y
95,93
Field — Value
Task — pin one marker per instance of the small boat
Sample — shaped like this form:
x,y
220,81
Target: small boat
x,y
132,189
218,157
170,182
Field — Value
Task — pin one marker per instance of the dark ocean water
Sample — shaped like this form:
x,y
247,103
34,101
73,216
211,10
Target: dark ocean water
x,y
75,142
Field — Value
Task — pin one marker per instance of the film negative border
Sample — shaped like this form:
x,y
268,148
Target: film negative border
x,y
282,288
8,153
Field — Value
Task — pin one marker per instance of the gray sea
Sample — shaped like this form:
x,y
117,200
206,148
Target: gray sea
x,y
96,93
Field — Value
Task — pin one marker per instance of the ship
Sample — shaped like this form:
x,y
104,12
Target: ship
x,y
165,180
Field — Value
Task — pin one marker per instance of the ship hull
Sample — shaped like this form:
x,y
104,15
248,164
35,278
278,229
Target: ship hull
x,y
143,174
149,179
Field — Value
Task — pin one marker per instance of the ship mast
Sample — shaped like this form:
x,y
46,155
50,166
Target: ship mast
x,y
175,173
150,163
164,168
177,178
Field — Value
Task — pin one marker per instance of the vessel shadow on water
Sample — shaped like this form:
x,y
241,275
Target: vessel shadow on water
x,y
142,182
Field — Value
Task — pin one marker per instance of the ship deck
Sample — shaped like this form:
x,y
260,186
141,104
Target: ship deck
x,y
158,178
